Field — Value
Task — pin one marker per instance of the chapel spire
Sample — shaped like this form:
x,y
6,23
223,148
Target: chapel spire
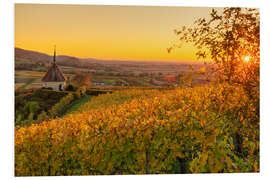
x,y
54,56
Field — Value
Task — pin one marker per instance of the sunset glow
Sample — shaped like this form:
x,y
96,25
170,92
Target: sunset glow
x,y
246,58
105,32
130,90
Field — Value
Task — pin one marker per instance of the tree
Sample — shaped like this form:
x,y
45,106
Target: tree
x,y
169,79
229,39
82,79
43,116
31,108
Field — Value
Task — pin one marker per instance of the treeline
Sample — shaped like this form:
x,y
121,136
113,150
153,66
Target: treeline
x,y
29,104
44,104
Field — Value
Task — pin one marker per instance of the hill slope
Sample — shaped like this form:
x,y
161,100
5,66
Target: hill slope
x,y
38,57
179,131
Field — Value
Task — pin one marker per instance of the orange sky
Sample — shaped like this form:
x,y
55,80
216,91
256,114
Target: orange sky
x,y
105,32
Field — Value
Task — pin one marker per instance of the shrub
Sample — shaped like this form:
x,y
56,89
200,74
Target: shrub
x,y
42,117
30,107
80,91
60,107
18,119
47,88
30,118
83,90
70,88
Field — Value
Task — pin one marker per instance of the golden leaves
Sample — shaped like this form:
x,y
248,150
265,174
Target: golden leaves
x,y
164,124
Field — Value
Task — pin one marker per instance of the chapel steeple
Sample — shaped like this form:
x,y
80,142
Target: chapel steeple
x,y
54,77
54,55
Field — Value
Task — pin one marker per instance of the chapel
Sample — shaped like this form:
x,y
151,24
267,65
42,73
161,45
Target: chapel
x,y
54,77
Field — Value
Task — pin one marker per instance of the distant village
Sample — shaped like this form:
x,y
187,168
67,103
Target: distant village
x,y
36,70
55,79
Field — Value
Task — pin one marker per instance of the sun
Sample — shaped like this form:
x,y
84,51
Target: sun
x,y
246,58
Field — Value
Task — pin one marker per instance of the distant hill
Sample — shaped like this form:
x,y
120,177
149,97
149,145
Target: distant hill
x,y
32,60
69,60
33,56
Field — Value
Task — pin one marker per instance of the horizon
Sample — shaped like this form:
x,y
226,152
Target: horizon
x,y
122,60
140,33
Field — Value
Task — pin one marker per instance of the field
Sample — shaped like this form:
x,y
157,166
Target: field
x,y
202,129
112,73
28,79
135,118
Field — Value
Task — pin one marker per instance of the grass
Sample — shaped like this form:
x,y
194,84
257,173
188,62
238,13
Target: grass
x,y
109,81
28,78
76,104
30,81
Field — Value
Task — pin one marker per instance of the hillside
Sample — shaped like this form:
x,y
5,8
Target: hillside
x,y
37,57
109,72
192,130
123,65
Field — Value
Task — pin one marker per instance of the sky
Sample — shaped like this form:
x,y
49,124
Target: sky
x,y
105,32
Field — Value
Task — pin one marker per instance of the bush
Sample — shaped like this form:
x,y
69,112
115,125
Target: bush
x,y
80,92
30,119
47,88
59,108
83,90
42,98
42,117
18,119
70,88
31,107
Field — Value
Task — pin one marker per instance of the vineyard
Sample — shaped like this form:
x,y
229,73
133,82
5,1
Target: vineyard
x,y
195,130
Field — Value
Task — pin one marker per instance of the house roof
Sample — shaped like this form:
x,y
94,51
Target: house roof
x,y
54,74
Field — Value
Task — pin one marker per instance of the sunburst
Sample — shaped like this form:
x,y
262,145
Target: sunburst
x,y
247,58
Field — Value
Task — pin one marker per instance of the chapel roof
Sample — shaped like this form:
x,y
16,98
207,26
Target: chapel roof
x,y
54,73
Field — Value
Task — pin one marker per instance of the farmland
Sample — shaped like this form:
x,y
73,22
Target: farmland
x,y
142,76
108,76
134,118
30,67
146,131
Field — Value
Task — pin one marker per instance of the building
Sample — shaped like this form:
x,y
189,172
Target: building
x,y
54,77
98,83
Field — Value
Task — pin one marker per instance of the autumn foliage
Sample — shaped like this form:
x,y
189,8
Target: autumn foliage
x,y
227,38
82,79
211,128
177,131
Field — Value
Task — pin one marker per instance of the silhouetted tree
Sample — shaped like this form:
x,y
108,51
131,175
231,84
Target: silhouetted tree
x,y
232,40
